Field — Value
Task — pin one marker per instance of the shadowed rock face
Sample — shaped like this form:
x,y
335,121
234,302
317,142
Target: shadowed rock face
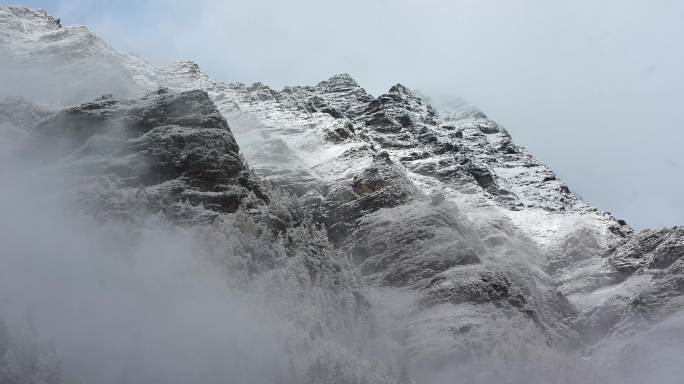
x,y
174,152
412,243
174,147
380,185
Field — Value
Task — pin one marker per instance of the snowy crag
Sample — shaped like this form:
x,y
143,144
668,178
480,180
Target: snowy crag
x,y
403,244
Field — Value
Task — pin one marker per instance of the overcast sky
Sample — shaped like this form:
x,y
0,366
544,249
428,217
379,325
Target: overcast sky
x,y
594,88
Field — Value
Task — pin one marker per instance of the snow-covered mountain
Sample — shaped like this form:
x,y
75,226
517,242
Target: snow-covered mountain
x,y
450,250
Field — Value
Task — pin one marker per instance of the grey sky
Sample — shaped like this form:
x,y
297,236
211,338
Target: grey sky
x,y
593,88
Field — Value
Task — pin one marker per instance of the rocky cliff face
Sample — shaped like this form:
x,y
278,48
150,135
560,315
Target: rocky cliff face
x,y
169,151
429,233
172,155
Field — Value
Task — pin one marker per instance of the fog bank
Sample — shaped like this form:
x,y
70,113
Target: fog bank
x,y
121,303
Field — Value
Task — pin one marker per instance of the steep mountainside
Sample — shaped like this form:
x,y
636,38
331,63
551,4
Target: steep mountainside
x,y
427,234
172,148
65,65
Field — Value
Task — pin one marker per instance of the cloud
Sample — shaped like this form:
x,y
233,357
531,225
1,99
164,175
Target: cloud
x,y
120,302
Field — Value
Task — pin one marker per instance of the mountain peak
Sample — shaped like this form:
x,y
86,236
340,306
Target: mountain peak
x,y
186,66
342,77
340,80
28,20
185,75
401,90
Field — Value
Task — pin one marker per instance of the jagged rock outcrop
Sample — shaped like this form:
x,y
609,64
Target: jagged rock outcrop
x,y
651,286
172,154
649,249
381,185
173,150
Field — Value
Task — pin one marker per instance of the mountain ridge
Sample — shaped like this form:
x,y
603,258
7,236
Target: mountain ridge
x,y
464,243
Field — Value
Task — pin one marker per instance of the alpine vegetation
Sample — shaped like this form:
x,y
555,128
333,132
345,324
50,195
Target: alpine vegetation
x,y
160,226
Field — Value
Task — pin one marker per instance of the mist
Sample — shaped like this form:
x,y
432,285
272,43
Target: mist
x,y
89,296
121,302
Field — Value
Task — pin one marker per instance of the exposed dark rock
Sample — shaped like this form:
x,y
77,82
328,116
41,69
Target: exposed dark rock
x,y
489,128
318,104
340,133
415,156
447,147
650,249
482,176
427,137
477,284
174,146
343,95
382,185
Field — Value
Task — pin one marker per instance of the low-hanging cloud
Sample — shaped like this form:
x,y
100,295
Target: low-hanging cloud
x,y
121,303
